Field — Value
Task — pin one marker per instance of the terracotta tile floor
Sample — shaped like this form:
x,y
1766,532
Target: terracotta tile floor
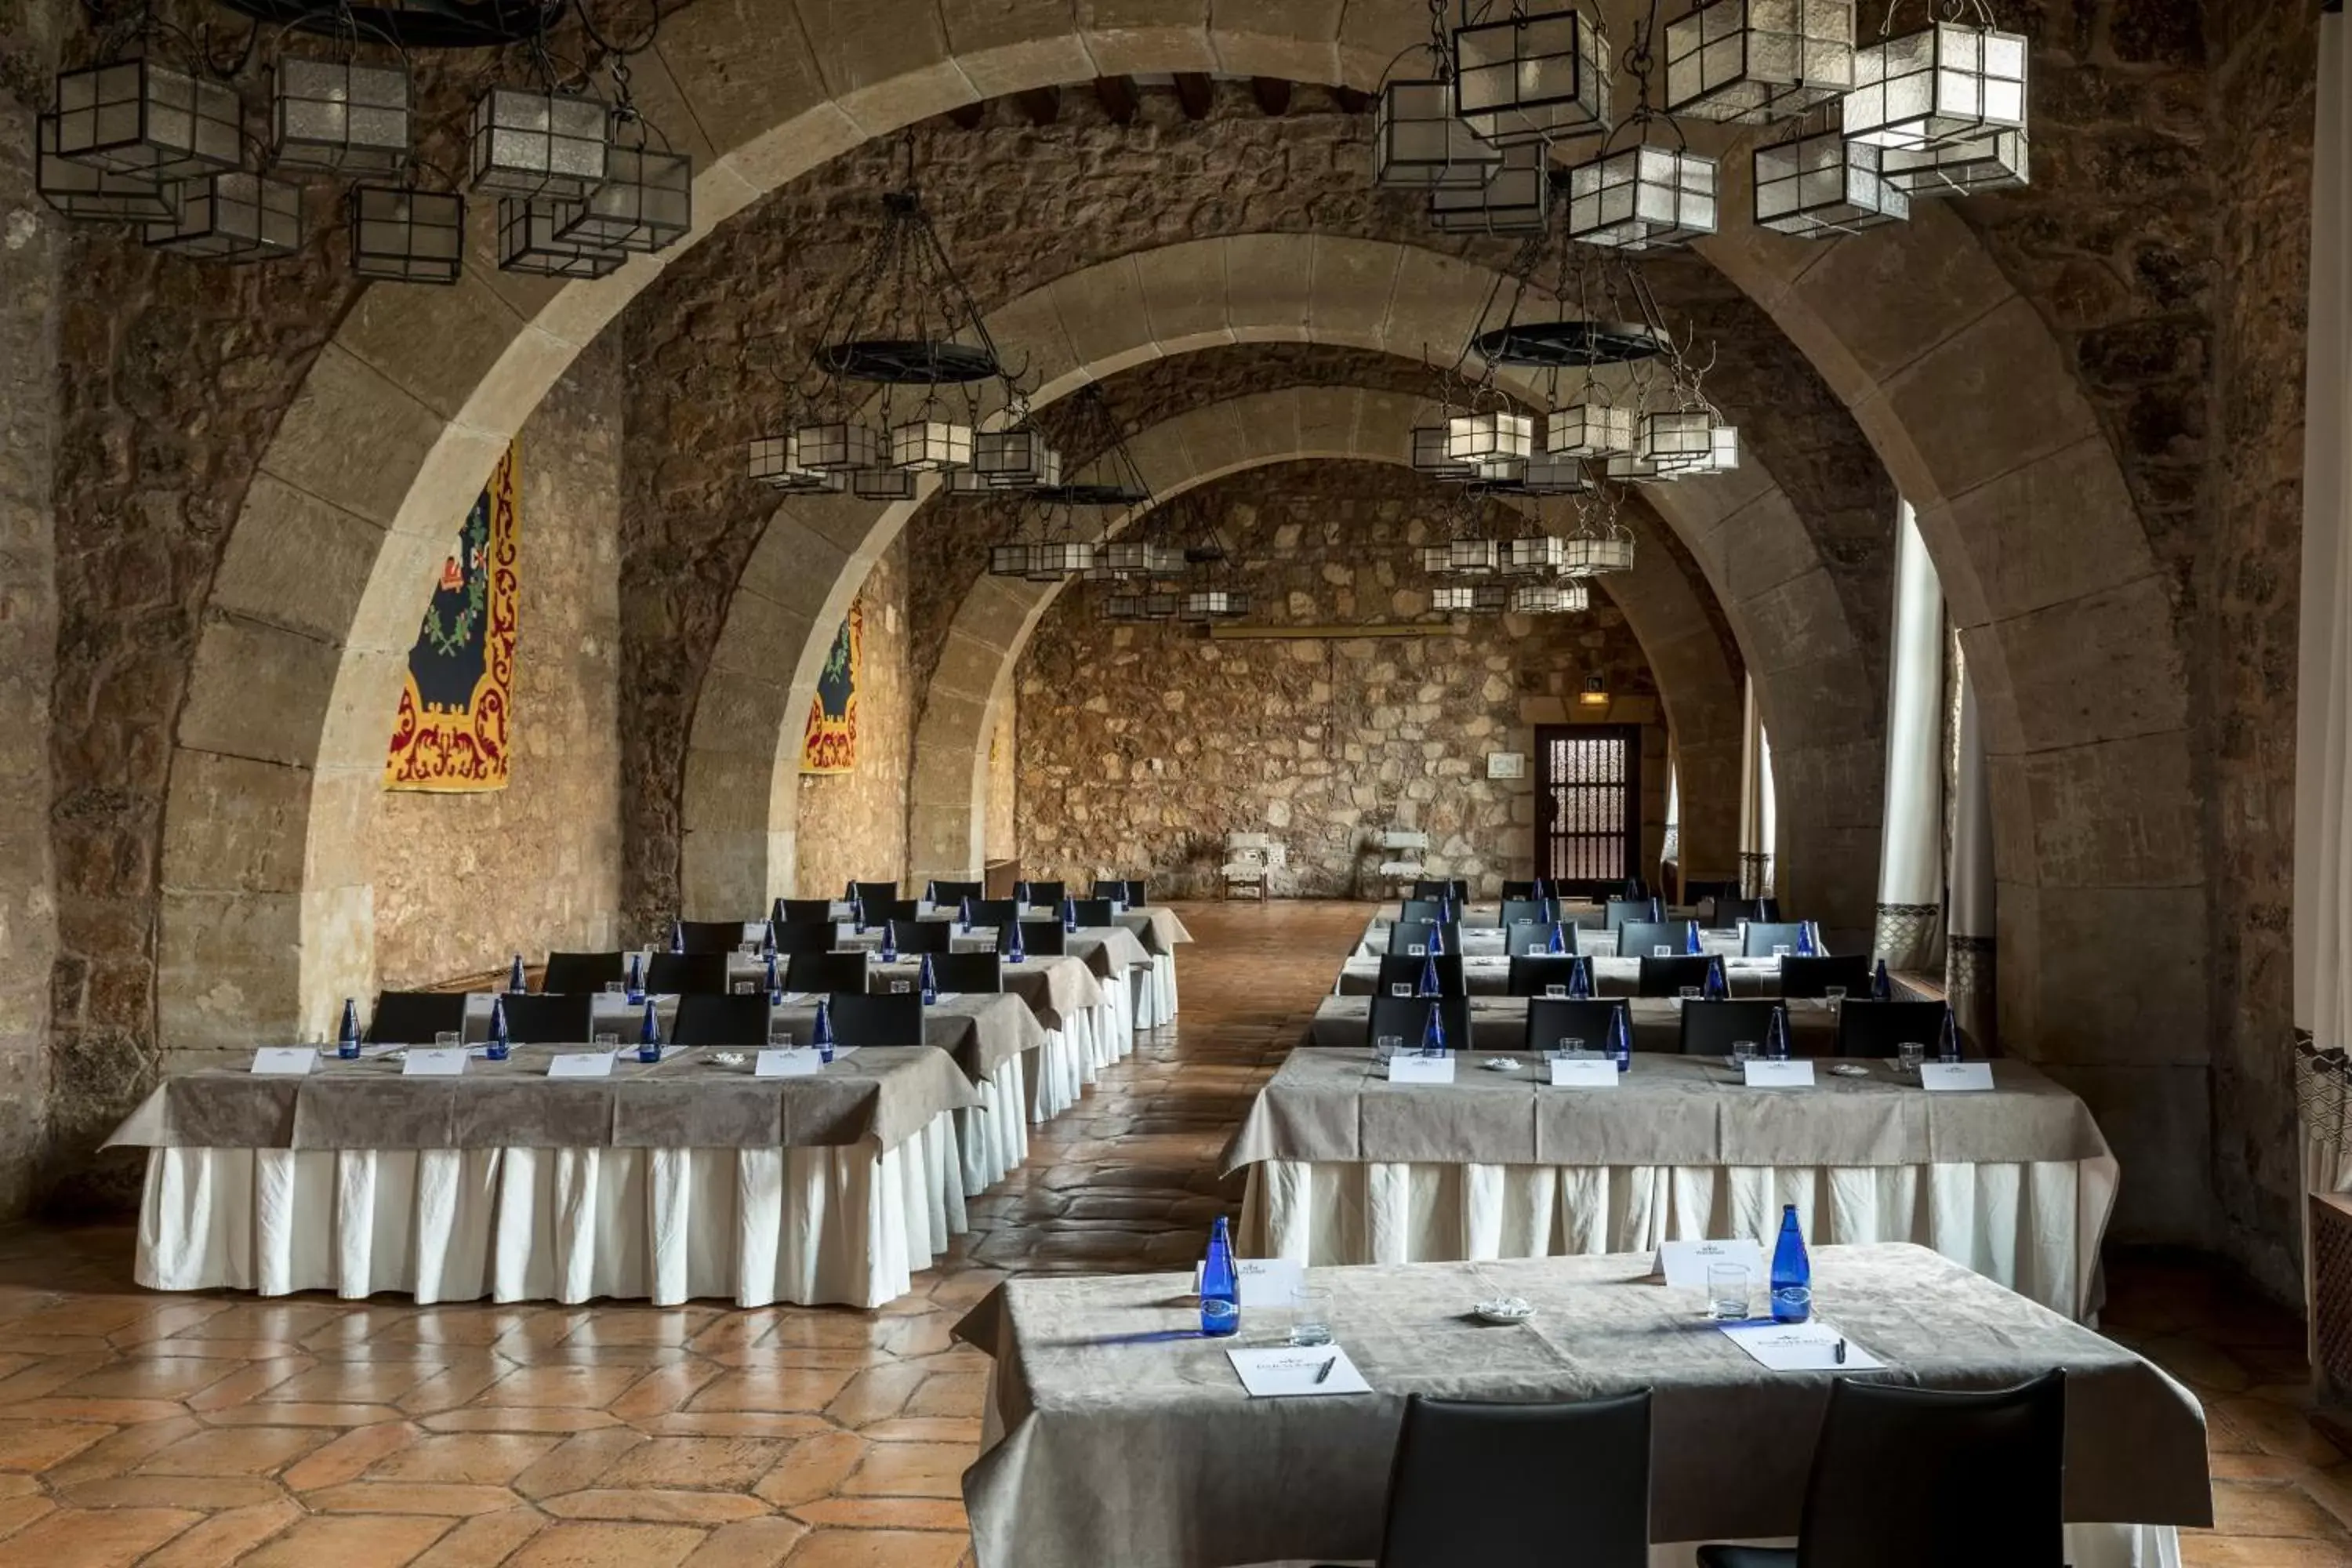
x,y
184,1432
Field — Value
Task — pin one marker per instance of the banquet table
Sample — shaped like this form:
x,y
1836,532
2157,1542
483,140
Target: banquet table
x,y
1113,1435
1491,942
1500,1024
687,1178
1489,974
1347,1167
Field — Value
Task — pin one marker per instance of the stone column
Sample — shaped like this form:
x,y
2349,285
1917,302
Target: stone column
x,y
1910,857
1970,978
1756,824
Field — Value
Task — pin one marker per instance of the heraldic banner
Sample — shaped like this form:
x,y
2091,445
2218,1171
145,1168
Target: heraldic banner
x,y
830,745
451,735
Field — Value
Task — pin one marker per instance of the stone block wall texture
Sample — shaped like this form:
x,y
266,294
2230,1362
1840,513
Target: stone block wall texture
x,y
1000,836
1141,747
463,881
854,824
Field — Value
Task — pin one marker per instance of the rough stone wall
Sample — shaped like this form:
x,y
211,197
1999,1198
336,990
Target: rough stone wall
x,y
463,881
854,824
1141,747
1000,836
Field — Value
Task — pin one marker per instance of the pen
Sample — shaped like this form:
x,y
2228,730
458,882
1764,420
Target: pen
x,y
1325,1370
1840,1351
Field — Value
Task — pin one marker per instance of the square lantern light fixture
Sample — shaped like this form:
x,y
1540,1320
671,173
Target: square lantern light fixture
x,y
1215,605
1462,557
1591,554
1126,606
1754,60
1453,600
1825,185
1642,197
233,218
1546,475
1418,143
1493,438
1531,555
1995,161
1429,459
1589,427
1677,437
407,235
1058,558
140,117
1010,560
1011,459
529,241
1550,598
340,116
1634,468
882,484
644,202
1163,602
1514,202
1138,558
839,447
774,461
931,446
1946,82
1532,78
521,143
85,191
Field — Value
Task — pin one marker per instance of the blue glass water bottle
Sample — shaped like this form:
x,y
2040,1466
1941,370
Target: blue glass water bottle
x,y
856,912
775,917
1069,913
1947,1039
347,1035
963,911
497,1036
1657,909
1776,1035
649,1035
1792,1272
1558,943
1014,952
1437,938
517,983
1806,946
1221,1286
1433,1033
1880,988
1715,990
775,982
1429,977
768,939
930,983
888,952
821,1033
1690,939
677,936
1620,1039
636,984
1580,979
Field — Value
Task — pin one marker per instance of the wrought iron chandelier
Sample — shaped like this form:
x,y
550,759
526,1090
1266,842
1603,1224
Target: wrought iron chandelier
x,y
1060,529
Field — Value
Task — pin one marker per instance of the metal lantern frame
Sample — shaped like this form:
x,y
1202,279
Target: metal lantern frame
x,y
1591,554
139,116
526,143
1948,82
1485,438
1593,426
404,234
1125,606
1008,460
931,445
1532,78
884,484
1429,455
1465,555
1750,61
1162,602
236,217
1996,161
1531,555
1215,605
1453,600
1547,475
1643,198
1055,559
85,191
1677,439
1419,143
1822,185
340,116
529,241
1515,200
774,461
1138,558
838,446
1550,598
1490,598
644,202
1010,559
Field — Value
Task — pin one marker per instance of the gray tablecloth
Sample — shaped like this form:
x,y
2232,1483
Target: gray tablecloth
x,y
1500,1024
688,1101
1668,1111
1491,941
1109,951
1491,976
1054,987
1157,926
1121,1447
1485,915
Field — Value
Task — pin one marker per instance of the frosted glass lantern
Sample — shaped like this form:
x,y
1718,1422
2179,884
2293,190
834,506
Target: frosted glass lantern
x,y
1491,438
1010,459
931,446
840,447
528,242
1161,604
1532,78
774,461
1754,60
1455,601
1995,161
1825,185
1123,607
1549,598
1011,560
1642,197
1461,557
233,218
1677,439
646,202
1418,143
1060,558
1535,555
1138,558
1589,428
139,117
1428,455
407,235
338,116
1591,554
1215,605
1946,82
882,484
527,143
1633,468
1514,202
1490,598
82,191
1550,476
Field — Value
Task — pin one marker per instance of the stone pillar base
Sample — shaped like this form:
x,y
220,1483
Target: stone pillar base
x,y
1906,935
1971,983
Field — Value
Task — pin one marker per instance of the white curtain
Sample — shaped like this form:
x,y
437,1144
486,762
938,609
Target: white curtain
x,y
1756,827
1911,843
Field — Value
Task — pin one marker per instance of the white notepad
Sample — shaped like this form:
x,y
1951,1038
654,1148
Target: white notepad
x,y
1285,1372
1799,1347
434,1061
285,1061
581,1063
1263,1281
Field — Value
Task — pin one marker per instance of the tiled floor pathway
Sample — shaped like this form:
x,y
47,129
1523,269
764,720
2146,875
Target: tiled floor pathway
x,y
180,1432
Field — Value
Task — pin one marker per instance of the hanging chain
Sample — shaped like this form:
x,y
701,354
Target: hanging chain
x,y
1441,51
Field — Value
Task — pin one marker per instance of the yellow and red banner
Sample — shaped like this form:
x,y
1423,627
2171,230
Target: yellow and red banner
x,y
452,734
830,744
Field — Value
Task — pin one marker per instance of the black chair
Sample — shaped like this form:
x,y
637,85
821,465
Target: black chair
x,y
1634,887
1551,1019
1879,1029
1512,1458
582,972
1526,912
1094,911
710,936
802,910
994,911
859,1019
1698,890
705,1020
948,895
1041,895
1882,1490
923,936
805,936
1763,936
872,894
968,971
1132,891
1531,974
1667,976
1730,911
543,1020
686,974
1537,939
1815,976
1423,909
1617,911
413,1017
821,972
1406,935
1710,1027
892,910
1456,888
1639,939
1408,1018
1402,969
1521,890
1040,939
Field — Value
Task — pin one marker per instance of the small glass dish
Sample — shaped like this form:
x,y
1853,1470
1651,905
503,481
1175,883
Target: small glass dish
x,y
1500,1064
1850,1070
730,1058
1503,1309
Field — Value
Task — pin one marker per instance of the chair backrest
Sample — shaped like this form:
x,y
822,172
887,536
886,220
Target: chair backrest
x,y
806,936
1710,1027
707,1020
1424,910
1514,1460
822,972
1039,938
1402,969
873,894
576,971
1406,935
883,909
1042,894
1884,1486
1408,1018
413,1017
1518,890
1763,936
1617,911
859,1019
1532,972
1634,887
1815,976
1527,912
1730,911
923,936
1551,1019
1094,911
686,974
711,936
994,911
1245,844
559,1020
806,910
1642,939
1667,976
949,895
1868,1029
1698,889
1537,939
1132,892
1456,888
968,971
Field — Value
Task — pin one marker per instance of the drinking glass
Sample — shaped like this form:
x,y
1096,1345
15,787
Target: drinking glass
x,y
1416,949
1910,1054
1661,951
780,1035
616,988
1689,992
445,1038
900,987
1310,1315
1388,1046
1726,1292
1835,995
1742,1053
607,1041
1571,1049
1401,988
1555,990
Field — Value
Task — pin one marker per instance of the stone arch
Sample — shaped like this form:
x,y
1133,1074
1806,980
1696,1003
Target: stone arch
x,y
993,623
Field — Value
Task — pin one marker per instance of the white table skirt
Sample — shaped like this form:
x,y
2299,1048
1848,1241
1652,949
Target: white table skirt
x,y
2034,1229
992,1137
1155,992
2086,1546
809,1226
